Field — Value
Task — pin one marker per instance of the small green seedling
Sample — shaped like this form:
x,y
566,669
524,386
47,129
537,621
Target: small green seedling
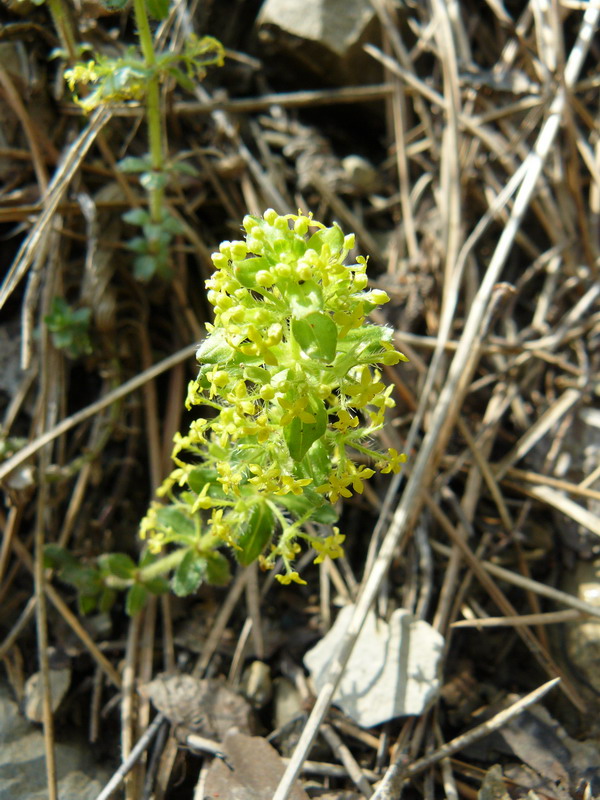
x,y
69,328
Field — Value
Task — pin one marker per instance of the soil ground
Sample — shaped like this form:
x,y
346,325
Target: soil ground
x,y
460,143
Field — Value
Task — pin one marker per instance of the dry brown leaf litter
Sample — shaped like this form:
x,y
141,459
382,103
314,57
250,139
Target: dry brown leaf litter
x,y
462,99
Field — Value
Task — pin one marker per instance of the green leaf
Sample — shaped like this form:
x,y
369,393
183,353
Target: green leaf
x,y
157,585
316,333
304,298
158,236
255,533
189,574
316,464
107,600
245,271
214,349
217,569
69,327
182,79
298,505
84,579
199,477
158,9
151,181
139,245
57,557
333,237
137,216
118,564
87,603
131,164
299,435
174,519
145,267
135,599
184,168
325,513
257,375
171,224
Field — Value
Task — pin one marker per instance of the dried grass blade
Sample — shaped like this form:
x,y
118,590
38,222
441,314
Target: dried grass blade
x,y
424,463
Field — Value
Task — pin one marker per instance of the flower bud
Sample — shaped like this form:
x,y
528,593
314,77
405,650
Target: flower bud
x,y
301,225
378,296
282,270
304,271
264,278
239,251
219,260
267,392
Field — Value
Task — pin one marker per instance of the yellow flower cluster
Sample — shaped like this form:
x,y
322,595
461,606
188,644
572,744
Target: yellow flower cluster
x,y
289,368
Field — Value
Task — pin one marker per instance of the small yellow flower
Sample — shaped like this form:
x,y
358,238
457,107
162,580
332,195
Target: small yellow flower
x,y
335,487
177,476
228,479
81,73
266,481
356,479
348,320
258,427
295,409
155,544
345,421
331,546
293,485
258,346
365,389
218,378
393,462
290,577
194,395
287,548
264,563
148,523
197,431
179,443
203,500
220,527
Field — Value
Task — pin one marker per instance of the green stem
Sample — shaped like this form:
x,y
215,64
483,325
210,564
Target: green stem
x,y
153,115
64,28
163,565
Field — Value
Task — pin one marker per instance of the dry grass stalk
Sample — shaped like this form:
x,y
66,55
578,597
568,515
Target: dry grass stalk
x,y
475,157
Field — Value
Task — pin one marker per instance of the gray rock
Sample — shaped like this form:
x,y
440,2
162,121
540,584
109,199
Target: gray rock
x,y
326,36
22,761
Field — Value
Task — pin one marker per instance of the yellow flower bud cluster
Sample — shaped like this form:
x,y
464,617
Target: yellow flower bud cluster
x,y
289,368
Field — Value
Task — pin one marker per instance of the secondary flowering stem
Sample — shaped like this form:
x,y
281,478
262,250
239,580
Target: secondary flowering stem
x,y
156,142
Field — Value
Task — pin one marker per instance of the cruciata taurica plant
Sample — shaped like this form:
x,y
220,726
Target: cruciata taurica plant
x,y
290,383
138,76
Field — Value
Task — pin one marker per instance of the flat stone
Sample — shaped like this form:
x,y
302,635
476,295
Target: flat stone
x,y
325,35
23,762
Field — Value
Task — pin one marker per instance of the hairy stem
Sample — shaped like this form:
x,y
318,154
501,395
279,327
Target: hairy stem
x,y
163,565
